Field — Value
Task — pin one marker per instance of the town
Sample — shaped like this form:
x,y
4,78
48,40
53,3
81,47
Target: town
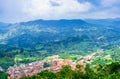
x,y
55,65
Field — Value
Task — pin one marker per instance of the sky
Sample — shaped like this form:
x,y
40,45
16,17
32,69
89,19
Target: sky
x,y
12,11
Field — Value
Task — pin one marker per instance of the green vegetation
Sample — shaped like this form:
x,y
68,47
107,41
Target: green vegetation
x,y
111,71
3,75
107,57
46,65
72,47
69,56
15,55
25,59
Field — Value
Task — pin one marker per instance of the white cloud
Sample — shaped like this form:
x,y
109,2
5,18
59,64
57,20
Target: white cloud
x,y
106,9
45,10
26,10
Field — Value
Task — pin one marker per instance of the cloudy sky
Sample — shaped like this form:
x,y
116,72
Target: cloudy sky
x,y
26,10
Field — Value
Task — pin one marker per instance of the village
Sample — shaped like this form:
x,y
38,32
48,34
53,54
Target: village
x,y
55,65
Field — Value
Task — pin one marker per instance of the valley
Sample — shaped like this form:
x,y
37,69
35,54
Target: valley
x,y
24,46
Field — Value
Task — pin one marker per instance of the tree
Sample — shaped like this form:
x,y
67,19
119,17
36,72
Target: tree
x,y
65,73
3,75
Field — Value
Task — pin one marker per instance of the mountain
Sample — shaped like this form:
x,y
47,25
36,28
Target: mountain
x,y
44,31
107,22
3,24
41,38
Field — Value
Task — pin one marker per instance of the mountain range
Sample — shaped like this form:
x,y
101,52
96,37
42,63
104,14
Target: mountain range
x,y
43,31
41,38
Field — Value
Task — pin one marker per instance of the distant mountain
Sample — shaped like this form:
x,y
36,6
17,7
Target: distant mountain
x,y
107,22
3,24
44,31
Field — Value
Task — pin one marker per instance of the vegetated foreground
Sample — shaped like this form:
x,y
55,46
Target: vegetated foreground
x,y
65,69
111,71
96,65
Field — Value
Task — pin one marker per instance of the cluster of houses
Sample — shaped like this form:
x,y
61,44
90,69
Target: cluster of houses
x,y
33,68
55,65
30,69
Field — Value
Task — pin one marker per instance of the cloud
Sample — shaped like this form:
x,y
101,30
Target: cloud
x,y
104,9
23,10
55,9
12,10
26,10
